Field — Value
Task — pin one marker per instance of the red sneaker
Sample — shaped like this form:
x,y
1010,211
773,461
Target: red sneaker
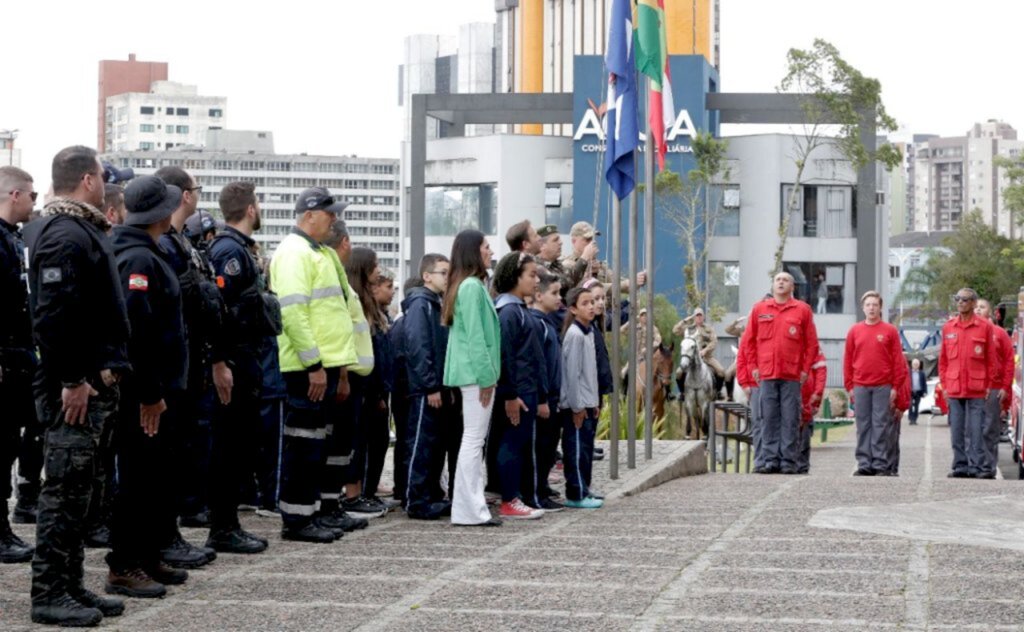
x,y
516,510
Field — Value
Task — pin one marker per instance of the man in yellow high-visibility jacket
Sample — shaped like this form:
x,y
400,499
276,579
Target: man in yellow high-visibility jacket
x,y
314,350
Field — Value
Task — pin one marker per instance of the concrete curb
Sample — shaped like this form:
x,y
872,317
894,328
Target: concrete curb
x,y
689,459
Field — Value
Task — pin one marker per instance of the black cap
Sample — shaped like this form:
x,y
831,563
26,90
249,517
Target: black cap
x,y
149,200
318,199
201,223
113,175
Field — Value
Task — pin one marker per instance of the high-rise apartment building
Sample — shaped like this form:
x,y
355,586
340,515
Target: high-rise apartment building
x,y
118,77
165,116
955,175
369,185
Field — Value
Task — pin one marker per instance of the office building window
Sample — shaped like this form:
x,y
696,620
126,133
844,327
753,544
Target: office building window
x,y
182,112
727,200
819,211
827,287
558,206
450,209
145,127
145,146
182,129
724,285
146,109
216,113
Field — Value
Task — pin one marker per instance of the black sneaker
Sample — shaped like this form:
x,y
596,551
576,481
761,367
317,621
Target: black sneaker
x,y
598,454
958,475
985,475
200,520
430,511
13,550
164,574
181,554
24,514
551,506
362,508
234,541
109,606
308,533
387,503
321,522
98,538
347,522
252,536
66,611
864,472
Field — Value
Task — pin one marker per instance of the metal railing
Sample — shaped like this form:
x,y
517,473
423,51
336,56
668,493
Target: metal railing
x,y
737,428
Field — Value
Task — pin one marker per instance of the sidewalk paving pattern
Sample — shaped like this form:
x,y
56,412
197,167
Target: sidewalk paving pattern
x,y
747,553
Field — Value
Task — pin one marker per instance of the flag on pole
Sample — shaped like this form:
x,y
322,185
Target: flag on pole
x,y
652,60
622,130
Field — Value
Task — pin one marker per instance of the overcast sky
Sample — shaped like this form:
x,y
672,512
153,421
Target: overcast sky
x,y
323,75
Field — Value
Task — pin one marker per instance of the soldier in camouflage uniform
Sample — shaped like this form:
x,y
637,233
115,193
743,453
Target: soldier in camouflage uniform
x,y
550,255
693,326
583,263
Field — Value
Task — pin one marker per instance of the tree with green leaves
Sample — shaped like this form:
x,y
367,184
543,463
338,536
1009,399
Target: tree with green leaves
x,y
694,206
978,257
835,99
1013,193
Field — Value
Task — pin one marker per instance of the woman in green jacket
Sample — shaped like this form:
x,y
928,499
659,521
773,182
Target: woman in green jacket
x,y
472,364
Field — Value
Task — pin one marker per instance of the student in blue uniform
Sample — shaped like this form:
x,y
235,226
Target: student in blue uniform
x,y
547,303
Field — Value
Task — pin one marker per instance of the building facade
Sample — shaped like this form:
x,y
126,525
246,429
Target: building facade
x,y
119,77
957,175
369,185
166,116
907,252
821,247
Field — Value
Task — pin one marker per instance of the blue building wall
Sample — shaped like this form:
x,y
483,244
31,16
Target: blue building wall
x,y
692,79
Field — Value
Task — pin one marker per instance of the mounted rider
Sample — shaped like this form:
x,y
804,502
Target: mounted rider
x,y
693,326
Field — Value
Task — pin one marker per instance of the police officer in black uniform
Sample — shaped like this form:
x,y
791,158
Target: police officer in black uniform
x,y
252,315
151,396
17,365
81,329
203,310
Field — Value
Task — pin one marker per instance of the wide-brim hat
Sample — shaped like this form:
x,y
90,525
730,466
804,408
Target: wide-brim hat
x,y
148,200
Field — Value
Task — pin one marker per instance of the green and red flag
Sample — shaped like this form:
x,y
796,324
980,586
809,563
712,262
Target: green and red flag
x,y
652,60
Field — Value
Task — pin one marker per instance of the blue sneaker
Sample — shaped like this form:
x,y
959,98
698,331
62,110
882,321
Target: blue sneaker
x,y
586,503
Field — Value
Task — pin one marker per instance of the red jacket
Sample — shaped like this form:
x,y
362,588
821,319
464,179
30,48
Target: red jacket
x,y
873,355
780,341
813,385
940,399
1004,351
969,361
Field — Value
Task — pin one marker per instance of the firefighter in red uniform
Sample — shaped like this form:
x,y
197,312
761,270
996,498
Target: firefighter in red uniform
x,y
997,401
811,392
969,370
780,344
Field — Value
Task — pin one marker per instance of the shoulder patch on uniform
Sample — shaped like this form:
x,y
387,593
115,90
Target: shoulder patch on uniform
x,y
233,267
51,275
139,282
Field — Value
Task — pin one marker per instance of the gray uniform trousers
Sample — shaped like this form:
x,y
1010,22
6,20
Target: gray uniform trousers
x,y
756,426
780,416
874,427
966,430
993,426
894,447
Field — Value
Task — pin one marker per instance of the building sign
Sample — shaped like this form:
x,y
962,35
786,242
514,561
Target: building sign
x,y
692,79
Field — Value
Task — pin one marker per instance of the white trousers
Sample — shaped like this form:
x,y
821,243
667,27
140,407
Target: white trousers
x,y
469,505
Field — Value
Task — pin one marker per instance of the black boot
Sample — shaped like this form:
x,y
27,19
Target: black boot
x,y
65,611
13,550
109,606
24,513
98,538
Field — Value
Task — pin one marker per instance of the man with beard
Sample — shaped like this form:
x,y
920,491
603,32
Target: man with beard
x,y
253,315
80,326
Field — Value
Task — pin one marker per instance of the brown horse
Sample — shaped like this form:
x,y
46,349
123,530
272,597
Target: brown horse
x,y
662,379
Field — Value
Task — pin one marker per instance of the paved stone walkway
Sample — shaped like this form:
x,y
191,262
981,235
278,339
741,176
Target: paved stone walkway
x,y
712,552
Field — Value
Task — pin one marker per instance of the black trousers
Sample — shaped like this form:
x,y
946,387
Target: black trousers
x,y
303,447
549,434
19,414
400,413
236,428
70,457
145,517
378,437
431,433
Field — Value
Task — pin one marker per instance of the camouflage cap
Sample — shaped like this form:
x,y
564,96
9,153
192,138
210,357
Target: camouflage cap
x,y
584,230
547,230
